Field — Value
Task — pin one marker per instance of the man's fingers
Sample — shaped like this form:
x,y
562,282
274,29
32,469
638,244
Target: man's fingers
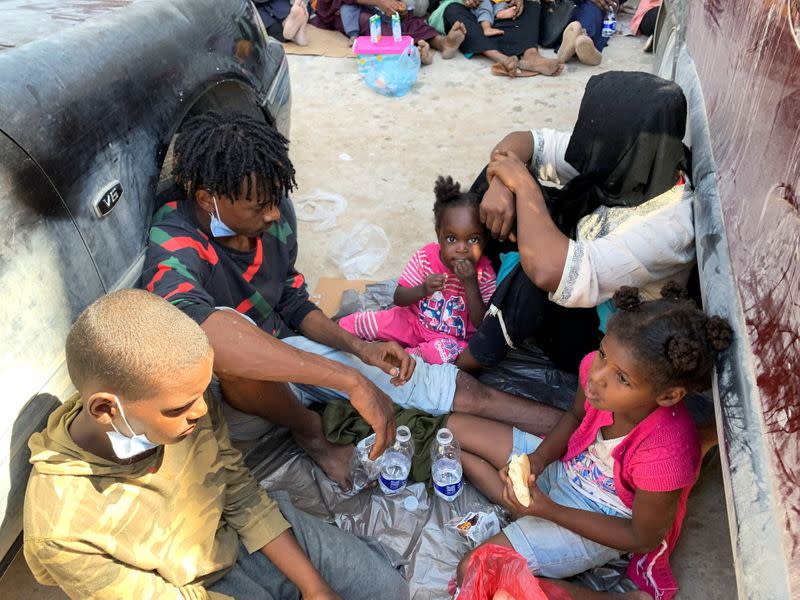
x,y
505,226
381,443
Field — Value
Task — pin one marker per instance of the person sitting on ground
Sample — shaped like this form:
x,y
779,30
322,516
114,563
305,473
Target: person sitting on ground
x,y
352,19
136,491
442,293
644,21
489,10
613,476
624,217
584,35
222,249
515,53
285,20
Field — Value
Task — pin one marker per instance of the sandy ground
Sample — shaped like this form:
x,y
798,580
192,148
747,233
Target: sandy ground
x,y
383,155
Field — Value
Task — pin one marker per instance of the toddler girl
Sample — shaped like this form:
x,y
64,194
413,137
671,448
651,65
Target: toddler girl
x,y
614,474
441,295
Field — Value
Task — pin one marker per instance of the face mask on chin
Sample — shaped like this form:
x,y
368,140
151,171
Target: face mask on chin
x,y
128,447
218,228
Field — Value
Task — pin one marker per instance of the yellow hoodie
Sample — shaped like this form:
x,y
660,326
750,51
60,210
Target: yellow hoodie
x,y
161,527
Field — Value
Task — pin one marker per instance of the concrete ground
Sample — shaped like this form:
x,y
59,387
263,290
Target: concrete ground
x,y
383,155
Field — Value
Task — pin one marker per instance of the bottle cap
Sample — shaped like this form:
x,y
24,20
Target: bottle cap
x,y
444,436
410,503
403,433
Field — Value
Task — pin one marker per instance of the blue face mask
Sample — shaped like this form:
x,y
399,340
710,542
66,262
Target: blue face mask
x,y
218,228
127,447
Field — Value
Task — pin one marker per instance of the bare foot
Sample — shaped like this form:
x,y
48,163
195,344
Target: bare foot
x,y
567,48
453,40
333,460
587,53
506,13
510,64
300,37
298,17
536,63
492,31
425,52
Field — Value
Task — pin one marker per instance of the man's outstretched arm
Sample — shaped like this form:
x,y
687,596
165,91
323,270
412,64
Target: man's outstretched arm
x,y
243,350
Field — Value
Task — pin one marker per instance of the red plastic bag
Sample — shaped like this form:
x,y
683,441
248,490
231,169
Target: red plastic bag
x,y
494,569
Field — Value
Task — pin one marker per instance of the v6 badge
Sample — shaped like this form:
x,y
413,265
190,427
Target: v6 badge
x,y
108,199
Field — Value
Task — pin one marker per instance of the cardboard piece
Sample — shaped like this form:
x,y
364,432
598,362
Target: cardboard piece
x,y
322,42
328,295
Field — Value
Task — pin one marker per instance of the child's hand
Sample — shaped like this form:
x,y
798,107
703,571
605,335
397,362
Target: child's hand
x,y
510,170
539,502
465,271
389,7
434,283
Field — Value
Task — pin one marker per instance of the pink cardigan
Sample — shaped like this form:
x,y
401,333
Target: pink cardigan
x,y
660,454
641,10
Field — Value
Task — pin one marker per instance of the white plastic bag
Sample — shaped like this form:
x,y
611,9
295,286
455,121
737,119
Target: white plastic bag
x,y
319,207
360,251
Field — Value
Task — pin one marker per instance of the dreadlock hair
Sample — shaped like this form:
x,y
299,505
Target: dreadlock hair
x,y
449,194
224,152
671,338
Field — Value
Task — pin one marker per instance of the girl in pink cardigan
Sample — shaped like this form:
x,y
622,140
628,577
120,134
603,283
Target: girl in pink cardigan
x,y
613,475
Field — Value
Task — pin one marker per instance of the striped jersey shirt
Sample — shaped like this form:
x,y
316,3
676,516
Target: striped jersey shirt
x,y
445,311
197,274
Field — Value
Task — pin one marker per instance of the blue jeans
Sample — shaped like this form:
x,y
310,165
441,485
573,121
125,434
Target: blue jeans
x,y
356,568
551,550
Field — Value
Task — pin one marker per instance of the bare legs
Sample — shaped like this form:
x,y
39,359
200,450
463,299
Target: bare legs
x,y
474,398
276,403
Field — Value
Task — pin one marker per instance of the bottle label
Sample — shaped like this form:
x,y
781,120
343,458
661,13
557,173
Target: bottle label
x,y
392,484
450,489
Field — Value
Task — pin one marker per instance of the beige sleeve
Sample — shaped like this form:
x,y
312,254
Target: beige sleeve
x,y
84,571
248,509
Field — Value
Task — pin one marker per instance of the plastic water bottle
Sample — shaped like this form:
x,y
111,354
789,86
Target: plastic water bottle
x,y
609,24
446,466
396,462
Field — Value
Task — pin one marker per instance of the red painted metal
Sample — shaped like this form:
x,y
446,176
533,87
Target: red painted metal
x,y
748,59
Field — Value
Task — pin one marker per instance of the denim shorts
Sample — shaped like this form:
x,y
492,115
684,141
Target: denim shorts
x,y
551,550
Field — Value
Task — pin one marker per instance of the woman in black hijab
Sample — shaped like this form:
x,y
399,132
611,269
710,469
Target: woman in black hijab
x,y
620,219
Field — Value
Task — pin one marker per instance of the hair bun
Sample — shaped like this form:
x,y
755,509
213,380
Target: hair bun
x,y
674,291
446,189
627,298
718,333
683,353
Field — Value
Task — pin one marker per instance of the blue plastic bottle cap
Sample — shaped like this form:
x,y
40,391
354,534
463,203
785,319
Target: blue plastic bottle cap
x,y
410,503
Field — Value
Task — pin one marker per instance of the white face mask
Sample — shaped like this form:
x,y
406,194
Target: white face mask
x,y
218,228
128,447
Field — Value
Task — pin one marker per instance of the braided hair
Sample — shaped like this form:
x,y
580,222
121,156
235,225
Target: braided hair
x,y
226,152
448,194
671,338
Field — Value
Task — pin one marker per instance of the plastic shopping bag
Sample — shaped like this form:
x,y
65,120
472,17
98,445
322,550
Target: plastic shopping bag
x,y
497,572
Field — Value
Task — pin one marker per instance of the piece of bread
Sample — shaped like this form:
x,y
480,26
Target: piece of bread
x,y
519,470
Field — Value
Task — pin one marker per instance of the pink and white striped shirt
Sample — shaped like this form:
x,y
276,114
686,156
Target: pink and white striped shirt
x,y
445,311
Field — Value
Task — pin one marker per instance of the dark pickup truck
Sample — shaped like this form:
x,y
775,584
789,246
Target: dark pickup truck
x,y
91,95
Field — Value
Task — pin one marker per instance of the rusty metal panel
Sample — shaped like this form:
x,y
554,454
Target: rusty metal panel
x,y
748,62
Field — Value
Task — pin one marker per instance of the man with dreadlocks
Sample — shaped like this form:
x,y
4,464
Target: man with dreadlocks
x,y
223,248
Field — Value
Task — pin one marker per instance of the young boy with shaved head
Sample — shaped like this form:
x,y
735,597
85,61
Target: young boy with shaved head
x,y
136,491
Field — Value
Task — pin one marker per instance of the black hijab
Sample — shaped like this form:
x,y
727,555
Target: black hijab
x,y
626,146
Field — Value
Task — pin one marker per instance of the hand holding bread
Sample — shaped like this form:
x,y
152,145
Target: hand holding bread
x,y
519,471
